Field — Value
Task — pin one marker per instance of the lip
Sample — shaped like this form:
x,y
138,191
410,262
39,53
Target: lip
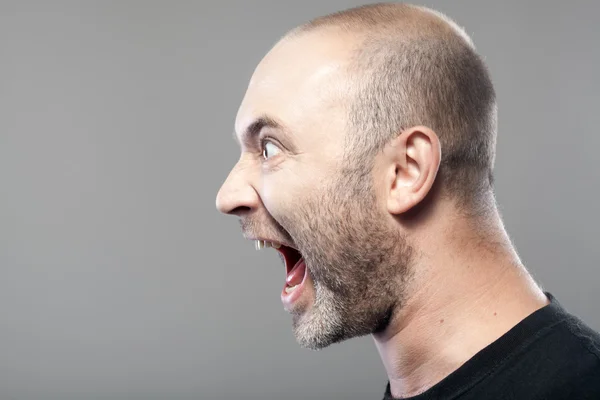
x,y
289,254
288,299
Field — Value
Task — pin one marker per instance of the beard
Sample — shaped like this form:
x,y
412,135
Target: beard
x,y
358,263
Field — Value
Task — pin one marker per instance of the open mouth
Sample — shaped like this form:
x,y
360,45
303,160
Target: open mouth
x,y
295,271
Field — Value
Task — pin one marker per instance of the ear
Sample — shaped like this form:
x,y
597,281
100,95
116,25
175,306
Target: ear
x,y
413,162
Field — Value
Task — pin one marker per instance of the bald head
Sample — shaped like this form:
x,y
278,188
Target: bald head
x,y
413,66
340,130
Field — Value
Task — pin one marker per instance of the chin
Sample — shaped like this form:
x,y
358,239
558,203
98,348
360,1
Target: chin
x,y
315,331
316,342
323,324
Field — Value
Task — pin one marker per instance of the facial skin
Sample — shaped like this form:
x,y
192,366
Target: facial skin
x,y
305,194
354,262
387,252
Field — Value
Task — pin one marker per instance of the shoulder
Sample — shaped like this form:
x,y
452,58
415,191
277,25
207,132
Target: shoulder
x,y
576,373
586,336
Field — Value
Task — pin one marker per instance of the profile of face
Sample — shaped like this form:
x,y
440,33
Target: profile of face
x,y
296,184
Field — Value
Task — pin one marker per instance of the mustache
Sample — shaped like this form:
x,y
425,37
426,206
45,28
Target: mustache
x,y
251,227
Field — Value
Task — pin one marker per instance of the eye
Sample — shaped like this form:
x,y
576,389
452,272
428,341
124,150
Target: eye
x,y
269,150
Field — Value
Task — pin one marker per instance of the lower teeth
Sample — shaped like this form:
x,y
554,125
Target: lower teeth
x,y
290,289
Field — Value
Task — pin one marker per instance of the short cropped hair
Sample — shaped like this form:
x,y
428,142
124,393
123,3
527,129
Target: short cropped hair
x,y
414,66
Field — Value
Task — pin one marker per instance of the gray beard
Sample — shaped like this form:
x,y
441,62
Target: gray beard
x,y
360,267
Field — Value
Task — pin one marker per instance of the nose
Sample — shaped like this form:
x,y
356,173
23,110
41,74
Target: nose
x,y
237,196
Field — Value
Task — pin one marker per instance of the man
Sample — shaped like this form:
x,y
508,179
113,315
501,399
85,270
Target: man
x,y
368,142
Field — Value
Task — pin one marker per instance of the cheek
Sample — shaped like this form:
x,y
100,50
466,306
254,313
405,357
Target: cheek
x,y
278,192
284,189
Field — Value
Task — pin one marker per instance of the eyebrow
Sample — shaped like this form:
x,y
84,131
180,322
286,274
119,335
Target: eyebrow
x,y
256,126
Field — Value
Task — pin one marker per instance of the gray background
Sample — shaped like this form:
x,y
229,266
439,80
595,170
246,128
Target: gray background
x,y
119,279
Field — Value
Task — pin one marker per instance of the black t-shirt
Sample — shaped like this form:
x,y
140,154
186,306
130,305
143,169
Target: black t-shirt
x,y
549,355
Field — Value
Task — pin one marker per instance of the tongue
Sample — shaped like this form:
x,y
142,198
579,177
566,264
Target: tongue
x,y
296,275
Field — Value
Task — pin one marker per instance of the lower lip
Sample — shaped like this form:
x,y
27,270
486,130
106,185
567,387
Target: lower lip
x,y
288,299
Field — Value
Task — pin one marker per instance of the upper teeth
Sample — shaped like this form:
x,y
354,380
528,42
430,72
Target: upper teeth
x,y
261,244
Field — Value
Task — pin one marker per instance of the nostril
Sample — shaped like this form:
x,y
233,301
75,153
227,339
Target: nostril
x,y
239,211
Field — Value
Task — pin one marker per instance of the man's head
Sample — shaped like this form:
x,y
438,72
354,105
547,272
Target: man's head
x,y
350,125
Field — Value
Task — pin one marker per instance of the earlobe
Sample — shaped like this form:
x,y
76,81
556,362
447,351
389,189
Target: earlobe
x,y
416,156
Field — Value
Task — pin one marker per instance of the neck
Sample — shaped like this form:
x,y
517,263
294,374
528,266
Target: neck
x,y
464,295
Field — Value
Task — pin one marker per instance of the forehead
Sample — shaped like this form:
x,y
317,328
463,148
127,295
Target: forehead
x,y
298,82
